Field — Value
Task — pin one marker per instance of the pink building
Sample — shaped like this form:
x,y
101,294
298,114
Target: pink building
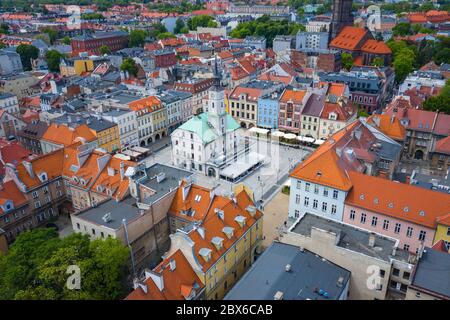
x,y
401,211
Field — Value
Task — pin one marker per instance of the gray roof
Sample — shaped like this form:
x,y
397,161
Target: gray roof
x,y
432,272
314,105
171,181
351,238
125,209
102,35
308,272
6,95
171,96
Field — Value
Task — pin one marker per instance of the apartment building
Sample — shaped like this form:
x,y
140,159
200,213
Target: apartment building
x,y
60,136
127,125
199,90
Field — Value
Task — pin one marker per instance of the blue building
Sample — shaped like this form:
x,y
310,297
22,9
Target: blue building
x,y
268,108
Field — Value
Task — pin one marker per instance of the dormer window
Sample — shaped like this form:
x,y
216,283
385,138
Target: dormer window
x,y
43,177
229,231
75,179
82,181
405,209
217,242
361,196
390,205
376,201
240,220
251,210
422,213
205,253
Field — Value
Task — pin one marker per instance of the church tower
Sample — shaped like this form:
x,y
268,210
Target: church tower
x,y
342,16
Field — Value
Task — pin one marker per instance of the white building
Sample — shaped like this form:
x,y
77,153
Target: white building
x,y
127,123
178,107
421,78
9,103
10,62
318,26
211,135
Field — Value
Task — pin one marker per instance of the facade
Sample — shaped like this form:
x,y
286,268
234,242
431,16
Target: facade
x,y
207,136
282,43
164,58
292,102
268,110
22,85
9,103
318,59
311,40
115,40
257,43
311,113
440,156
198,88
341,16
221,245
10,124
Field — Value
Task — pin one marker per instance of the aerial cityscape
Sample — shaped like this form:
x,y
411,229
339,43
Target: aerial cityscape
x,y
224,150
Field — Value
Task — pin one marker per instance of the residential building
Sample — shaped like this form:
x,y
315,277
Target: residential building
x,y
10,124
268,110
430,278
9,103
318,26
178,107
389,125
128,126
282,43
311,40
440,155
405,212
258,9
318,59
22,85
310,123
363,253
221,245
91,43
287,272
172,279
198,88
60,136
292,102
257,43
151,118
443,230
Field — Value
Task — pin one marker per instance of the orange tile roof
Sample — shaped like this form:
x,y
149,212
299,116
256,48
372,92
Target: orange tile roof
x,y
377,47
349,38
443,146
445,220
64,135
252,93
293,95
213,226
398,200
178,284
340,111
151,103
337,89
389,125
200,207
269,76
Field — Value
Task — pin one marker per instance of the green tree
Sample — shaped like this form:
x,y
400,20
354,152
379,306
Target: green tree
x,y
440,103
52,34
53,59
129,65
378,62
2,45
4,28
137,38
66,40
201,21
347,60
166,35
442,56
27,52
402,29
104,49
92,16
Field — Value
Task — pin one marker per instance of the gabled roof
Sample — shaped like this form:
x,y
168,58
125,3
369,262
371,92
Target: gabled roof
x,y
65,135
9,191
178,283
401,201
196,204
349,38
296,96
377,47
443,146
389,125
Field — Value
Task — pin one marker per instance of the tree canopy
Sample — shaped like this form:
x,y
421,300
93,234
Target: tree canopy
x,y
137,38
129,65
266,27
53,59
201,21
440,103
36,267
27,52
347,60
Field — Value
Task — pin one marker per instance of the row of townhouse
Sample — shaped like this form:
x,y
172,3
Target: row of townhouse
x,y
315,112
37,191
338,181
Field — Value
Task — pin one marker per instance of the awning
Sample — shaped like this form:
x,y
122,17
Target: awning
x,y
277,134
258,130
140,149
308,139
319,142
290,136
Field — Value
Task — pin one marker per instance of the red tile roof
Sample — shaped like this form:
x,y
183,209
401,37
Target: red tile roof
x,y
349,38
377,47
443,146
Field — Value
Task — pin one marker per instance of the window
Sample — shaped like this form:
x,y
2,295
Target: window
x,y
307,186
325,192
422,235
448,231
417,294
363,218
297,199
306,202
352,214
333,209
315,203
397,228
406,247
374,221
78,226
335,194
299,184
409,232
324,206
34,194
316,189
382,273
406,275
297,213
396,272
386,224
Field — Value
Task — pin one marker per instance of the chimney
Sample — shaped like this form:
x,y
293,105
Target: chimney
x,y
372,240
122,171
394,251
172,265
157,279
392,118
29,167
138,284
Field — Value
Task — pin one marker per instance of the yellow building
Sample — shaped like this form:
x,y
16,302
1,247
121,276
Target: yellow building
x,y
219,236
107,133
78,66
443,229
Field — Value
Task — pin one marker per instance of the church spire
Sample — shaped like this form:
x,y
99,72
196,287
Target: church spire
x,y
217,75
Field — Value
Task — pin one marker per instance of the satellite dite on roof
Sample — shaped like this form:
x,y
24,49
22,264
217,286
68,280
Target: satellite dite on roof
x,y
107,217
